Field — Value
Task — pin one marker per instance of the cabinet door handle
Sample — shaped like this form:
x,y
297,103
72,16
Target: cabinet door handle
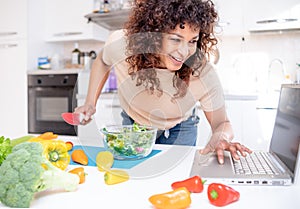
x,y
8,33
276,20
67,34
112,106
5,46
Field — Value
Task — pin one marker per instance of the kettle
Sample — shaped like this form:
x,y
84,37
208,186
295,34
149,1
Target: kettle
x,y
87,59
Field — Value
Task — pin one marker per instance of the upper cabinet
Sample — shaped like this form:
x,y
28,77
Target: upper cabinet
x,y
11,25
241,17
273,16
231,17
65,21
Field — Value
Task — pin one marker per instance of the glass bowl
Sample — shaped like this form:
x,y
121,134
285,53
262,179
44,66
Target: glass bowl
x,y
129,142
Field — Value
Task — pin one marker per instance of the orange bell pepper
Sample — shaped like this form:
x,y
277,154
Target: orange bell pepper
x,y
176,199
80,157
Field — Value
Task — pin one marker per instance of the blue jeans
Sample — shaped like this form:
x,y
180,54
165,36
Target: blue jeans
x,y
184,133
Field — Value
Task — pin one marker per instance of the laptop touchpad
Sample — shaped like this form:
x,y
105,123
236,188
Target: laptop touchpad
x,y
208,166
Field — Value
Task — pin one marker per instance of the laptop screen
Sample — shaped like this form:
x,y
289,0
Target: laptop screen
x,y
286,133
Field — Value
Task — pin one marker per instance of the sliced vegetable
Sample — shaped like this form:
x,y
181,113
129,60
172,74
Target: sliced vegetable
x,y
176,199
56,152
115,176
69,145
104,160
221,195
193,184
80,157
79,171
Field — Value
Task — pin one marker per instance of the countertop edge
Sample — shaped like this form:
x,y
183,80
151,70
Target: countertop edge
x,y
62,71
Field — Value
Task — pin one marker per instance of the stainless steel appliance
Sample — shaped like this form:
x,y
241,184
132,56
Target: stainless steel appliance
x,y
48,97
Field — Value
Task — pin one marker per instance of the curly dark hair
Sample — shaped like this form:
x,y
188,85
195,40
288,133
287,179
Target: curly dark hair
x,y
149,19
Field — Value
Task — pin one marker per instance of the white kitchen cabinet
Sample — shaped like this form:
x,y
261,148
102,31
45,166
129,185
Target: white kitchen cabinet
x,y
231,14
13,59
266,119
13,88
238,17
249,125
204,130
268,10
108,113
108,110
13,15
252,126
235,111
65,21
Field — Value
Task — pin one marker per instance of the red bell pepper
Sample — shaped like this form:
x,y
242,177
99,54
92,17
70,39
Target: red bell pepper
x,y
221,195
193,184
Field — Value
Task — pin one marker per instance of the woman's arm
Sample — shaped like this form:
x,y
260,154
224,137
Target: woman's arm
x,y
98,76
222,135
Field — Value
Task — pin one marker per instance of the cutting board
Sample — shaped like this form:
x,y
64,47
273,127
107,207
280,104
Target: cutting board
x,y
92,151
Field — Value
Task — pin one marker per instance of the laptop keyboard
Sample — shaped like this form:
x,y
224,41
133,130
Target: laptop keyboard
x,y
255,163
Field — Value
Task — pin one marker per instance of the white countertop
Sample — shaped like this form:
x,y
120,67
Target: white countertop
x,y
154,176
61,71
240,96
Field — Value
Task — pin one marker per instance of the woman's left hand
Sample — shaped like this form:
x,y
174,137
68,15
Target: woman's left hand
x,y
219,146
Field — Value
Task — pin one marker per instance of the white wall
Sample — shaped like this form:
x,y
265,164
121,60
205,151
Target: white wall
x,y
260,50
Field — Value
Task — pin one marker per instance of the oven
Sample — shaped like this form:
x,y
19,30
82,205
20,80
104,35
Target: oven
x,y
48,96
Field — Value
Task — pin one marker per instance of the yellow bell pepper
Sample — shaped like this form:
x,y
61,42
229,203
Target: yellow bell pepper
x,y
115,176
56,151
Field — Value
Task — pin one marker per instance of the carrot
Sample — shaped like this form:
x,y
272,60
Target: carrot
x,y
80,157
79,171
48,135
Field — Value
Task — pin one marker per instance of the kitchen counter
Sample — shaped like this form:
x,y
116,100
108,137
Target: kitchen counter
x,y
153,176
240,96
61,71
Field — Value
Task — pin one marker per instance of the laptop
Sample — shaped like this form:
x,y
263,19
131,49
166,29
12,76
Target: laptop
x,y
281,161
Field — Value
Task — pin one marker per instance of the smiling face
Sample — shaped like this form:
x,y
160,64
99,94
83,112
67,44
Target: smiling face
x,y
177,46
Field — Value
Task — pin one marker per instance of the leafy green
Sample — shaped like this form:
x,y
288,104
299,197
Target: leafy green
x,y
6,145
130,141
5,148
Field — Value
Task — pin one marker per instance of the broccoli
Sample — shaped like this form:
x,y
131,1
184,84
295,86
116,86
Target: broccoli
x,y
26,171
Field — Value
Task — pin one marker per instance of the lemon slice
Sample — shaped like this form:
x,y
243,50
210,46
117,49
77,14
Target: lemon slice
x,y
104,160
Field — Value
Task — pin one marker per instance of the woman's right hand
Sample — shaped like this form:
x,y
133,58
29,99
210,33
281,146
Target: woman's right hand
x,y
87,110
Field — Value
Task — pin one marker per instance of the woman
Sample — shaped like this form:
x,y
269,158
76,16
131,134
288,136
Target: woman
x,y
161,60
